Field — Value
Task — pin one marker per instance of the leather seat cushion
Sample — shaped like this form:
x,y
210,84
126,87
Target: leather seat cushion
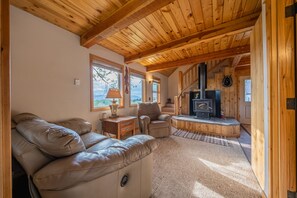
x,y
92,138
87,166
78,125
105,143
52,139
158,124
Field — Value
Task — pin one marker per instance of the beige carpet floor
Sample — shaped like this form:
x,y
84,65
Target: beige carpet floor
x,y
189,168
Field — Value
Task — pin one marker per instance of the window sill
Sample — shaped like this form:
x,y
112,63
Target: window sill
x,y
104,109
158,102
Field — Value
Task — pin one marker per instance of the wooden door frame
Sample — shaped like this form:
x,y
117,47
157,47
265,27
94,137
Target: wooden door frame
x,y
5,116
282,142
240,78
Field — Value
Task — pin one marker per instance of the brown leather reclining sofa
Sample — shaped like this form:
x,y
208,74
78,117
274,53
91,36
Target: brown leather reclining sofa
x,y
67,159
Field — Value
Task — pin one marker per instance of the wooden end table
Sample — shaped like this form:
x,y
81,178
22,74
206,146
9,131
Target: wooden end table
x,y
119,126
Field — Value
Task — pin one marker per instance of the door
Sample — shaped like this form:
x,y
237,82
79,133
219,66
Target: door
x,y
245,88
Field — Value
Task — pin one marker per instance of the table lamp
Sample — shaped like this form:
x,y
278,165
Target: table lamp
x,y
113,93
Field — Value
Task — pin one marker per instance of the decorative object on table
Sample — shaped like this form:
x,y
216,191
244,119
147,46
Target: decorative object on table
x,y
169,100
113,93
227,81
126,78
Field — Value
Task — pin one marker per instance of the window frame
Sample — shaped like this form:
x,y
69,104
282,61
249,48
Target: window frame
x,y
156,80
99,60
138,73
245,92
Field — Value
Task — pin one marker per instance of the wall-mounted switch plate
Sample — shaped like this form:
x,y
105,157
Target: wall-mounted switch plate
x,y
76,81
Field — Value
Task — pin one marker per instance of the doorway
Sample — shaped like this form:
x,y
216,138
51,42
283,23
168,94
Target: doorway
x,y
245,100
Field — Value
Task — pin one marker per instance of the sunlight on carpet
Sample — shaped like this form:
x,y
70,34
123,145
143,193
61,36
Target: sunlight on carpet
x,y
190,168
197,190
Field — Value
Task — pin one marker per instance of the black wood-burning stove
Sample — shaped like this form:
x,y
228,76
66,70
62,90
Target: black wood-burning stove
x,y
214,95
208,103
202,107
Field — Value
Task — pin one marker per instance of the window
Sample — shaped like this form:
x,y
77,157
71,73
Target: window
x,y
248,90
104,75
137,87
156,90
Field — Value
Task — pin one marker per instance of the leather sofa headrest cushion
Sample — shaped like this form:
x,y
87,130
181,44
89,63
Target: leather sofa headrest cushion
x,y
52,139
24,117
78,125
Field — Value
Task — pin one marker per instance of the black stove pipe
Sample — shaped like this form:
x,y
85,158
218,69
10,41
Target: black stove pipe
x,y
202,79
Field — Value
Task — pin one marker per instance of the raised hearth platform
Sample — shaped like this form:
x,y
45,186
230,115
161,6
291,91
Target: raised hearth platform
x,y
215,126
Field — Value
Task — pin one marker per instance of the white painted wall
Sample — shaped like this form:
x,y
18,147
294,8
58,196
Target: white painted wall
x,y
45,61
164,87
173,82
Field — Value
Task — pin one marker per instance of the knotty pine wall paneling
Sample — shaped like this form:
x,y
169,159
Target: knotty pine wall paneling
x,y
286,78
257,110
229,102
281,85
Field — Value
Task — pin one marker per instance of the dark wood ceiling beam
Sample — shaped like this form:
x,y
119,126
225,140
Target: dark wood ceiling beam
x,y
131,12
226,29
222,54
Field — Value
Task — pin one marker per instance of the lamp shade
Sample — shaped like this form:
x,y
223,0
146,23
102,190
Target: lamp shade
x,y
113,93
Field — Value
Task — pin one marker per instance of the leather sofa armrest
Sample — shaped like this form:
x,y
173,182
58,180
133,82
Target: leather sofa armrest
x,y
143,123
164,117
145,118
86,166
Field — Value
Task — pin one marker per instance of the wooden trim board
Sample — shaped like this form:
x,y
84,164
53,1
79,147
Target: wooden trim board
x,y
5,116
281,85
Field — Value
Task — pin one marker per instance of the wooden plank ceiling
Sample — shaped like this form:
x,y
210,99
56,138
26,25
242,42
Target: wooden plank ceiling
x,y
161,35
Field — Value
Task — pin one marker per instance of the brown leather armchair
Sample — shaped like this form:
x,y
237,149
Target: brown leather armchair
x,y
152,122
67,159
